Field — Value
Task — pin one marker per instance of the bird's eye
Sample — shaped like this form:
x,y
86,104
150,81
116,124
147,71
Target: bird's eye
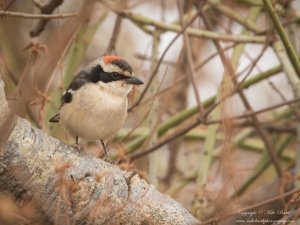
x,y
116,76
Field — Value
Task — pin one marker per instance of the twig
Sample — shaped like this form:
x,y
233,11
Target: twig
x,y
112,43
191,31
37,3
291,52
284,128
167,140
36,16
128,182
9,5
293,109
233,14
192,74
144,57
47,8
252,113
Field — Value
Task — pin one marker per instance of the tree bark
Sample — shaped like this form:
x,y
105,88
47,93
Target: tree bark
x,y
71,187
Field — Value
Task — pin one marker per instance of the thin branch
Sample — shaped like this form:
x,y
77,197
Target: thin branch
x,y
36,16
233,14
190,60
37,3
191,31
117,28
166,140
8,5
291,52
113,40
284,128
47,8
293,109
257,112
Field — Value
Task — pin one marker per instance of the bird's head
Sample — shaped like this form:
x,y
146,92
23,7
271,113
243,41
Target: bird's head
x,y
116,69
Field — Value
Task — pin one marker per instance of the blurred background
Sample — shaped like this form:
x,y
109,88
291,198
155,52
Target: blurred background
x,y
216,124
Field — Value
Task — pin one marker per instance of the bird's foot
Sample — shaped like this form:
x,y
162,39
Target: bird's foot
x,y
109,160
78,147
107,157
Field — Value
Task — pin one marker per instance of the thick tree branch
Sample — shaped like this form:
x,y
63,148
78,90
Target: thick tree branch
x,y
70,187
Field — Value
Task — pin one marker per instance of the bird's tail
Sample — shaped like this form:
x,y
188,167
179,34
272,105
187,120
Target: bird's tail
x,y
55,119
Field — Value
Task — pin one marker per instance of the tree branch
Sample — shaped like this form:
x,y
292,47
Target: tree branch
x,y
36,16
190,31
48,8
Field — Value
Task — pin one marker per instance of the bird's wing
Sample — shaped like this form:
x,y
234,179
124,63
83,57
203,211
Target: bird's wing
x,y
78,81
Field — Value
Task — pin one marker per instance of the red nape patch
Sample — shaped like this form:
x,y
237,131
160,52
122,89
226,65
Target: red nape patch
x,y
109,58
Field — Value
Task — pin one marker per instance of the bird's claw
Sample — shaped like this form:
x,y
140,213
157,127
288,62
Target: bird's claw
x,y
78,147
109,160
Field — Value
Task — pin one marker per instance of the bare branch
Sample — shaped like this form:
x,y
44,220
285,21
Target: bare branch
x,y
36,16
192,32
48,8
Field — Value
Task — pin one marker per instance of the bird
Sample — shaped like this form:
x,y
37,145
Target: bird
x,y
94,105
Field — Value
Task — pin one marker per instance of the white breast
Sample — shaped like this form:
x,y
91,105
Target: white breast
x,y
97,111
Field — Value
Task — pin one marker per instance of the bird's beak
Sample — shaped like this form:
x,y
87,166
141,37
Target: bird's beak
x,y
134,80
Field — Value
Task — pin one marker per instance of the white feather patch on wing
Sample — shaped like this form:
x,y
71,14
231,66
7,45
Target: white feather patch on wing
x,y
69,91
